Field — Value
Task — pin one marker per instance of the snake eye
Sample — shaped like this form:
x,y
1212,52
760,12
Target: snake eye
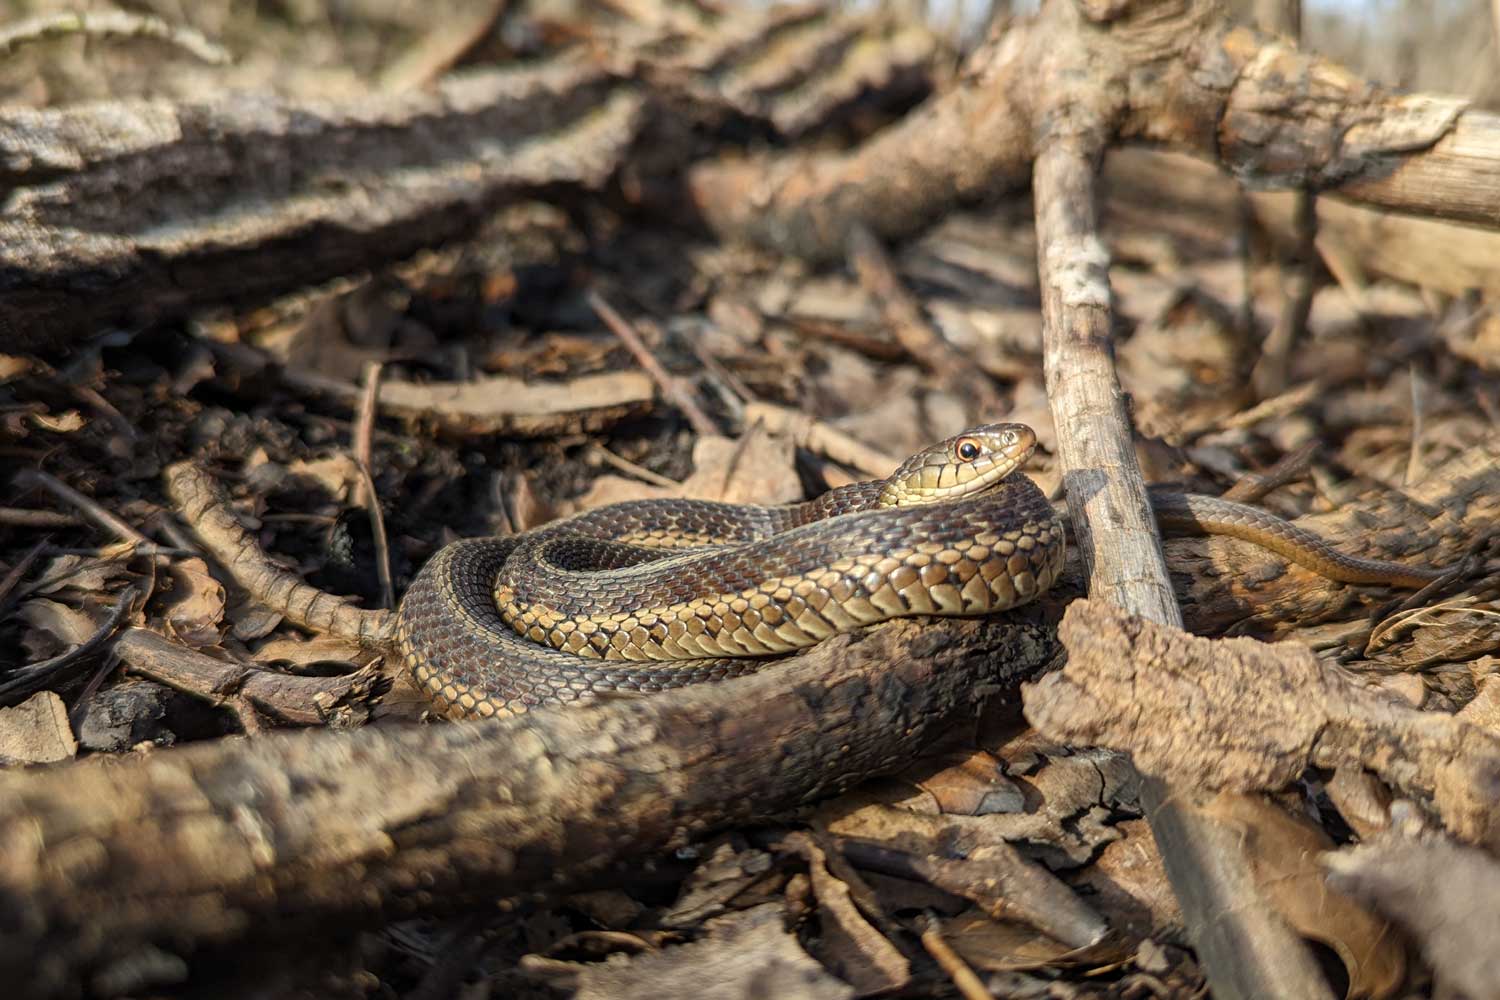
x,y
967,449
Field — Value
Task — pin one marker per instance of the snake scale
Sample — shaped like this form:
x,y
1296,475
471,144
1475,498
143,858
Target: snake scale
x,y
648,595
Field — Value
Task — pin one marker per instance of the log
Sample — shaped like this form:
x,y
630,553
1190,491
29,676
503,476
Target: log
x,y
114,865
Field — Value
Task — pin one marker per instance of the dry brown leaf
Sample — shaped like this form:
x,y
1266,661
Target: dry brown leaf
x,y
194,607
54,627
757,468
971,784
747,955
1446,894
1001,945
12,367
1129,884
337,474
305,652
60,423
37,731
82,573
1284,855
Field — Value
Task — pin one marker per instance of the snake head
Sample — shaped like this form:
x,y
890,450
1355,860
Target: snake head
x,y
963,465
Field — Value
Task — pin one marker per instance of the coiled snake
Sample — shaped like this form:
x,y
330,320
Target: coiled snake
x,y
649,595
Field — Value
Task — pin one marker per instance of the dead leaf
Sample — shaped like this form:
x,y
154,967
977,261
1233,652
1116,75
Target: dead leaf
x,y
757,468
971,784
83,573
1284,855
748,955
62,423
13,367
37,731
1446,894
1000,945
55,627
1130,887
337,474
303,653
194,607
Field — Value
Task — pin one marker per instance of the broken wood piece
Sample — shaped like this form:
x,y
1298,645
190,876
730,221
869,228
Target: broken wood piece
x,y
821,438
999,880
1241,715
1446,895
205,509
500,404
240,842
1180,76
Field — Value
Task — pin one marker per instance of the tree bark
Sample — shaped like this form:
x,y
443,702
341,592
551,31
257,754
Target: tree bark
x,y
107,862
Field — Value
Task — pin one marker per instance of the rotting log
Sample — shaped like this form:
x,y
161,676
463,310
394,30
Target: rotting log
x,y
128,212
1178,74
223,849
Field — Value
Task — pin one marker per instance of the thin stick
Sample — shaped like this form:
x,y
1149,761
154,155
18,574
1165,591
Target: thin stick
x,y
1415,467
631,469
1234,929
19,570
88,508
116,24
671,386
19,517
1288,469
816,436
969,985
24,680
364,429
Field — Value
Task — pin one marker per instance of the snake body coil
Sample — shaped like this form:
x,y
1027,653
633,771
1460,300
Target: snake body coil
x,y
650,595
601,602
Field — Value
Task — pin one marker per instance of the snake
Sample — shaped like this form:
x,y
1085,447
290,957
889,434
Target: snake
x,y
647,595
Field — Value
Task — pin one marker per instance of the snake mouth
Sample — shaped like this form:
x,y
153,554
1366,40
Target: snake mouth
x,y
968,464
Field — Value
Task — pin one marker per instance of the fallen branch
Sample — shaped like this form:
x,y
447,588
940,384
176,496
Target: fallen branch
x,y
1240,715
1177,74
206,511
246,843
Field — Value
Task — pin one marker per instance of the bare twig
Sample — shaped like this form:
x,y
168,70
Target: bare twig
x,y
112,24
1001,881
1288,469
1234,929
1299,283
22,681
1415,466
17,572
88,508
903,316
823,439
632,469
18,517
671,386
207,514
364,428
969,986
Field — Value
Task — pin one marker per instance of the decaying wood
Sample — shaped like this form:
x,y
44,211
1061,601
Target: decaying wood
x,y
1246,948
240,842
206,512
1242,715
1169,72
1445,894
128,211
125,212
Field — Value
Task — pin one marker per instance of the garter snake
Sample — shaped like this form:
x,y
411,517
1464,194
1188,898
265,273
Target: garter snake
x,y
649,595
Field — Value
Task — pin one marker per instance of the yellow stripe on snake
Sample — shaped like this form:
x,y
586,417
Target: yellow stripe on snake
x,y
656,594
